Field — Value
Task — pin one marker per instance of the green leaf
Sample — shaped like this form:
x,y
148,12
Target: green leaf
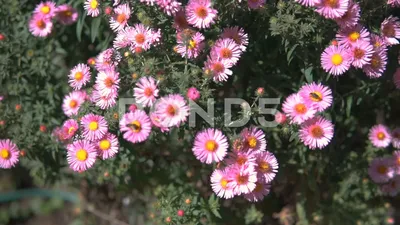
x,y
348,104
290,53
302,214
94,29
216,213
308,74
79,26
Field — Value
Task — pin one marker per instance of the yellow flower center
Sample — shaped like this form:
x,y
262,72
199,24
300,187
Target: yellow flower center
x,y
201,12
78,76
136,126
218,67
73,104
45,9
93,126
41,24
5,154
81,155
108,82
300,108
224,183
192,44
359,53
252,142
71,130
264,167
140,38
382,169
121,18
354,36
211,146
331,3
94,4
148,92
337,59
241,160
316,96
226,53
381,136
105,145
241,179
316,131
375,62
171,110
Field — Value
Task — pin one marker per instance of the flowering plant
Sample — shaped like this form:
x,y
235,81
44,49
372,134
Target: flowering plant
x,y
171,101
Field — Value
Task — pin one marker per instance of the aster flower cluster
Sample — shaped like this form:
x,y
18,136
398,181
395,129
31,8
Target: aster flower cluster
x,y
355,45
301,108
41,25
9,154
385,171
381,136
246,171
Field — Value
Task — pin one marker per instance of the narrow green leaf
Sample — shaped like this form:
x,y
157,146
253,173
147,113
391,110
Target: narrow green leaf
x,y
348,104
216,213
302,214
79,26
290,53
94,29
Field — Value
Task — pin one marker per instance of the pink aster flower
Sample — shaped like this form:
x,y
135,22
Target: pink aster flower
x,y
241,158
254,139
148,2
396,161
170,7
81,155
393,3
316,132
396,78
136,126
378,64
220,70
260,191
9,154
349,36
392,188
351,17
227,50
280,117
94,127
316,95
221,183
79,76
255,4
210,145
381,169
238,35
243,179
46,9
72,102
122,39
92,7
361,54
396,138
140,37
390,29
66,14
156,121
107,82
172,110
69,129
146,91
40,26
378,42
200,14
107,59
190,47
336,60
307,3
104,101
107,146
266,165
119,20
193,94
380,136
180,21
297,109
332,9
